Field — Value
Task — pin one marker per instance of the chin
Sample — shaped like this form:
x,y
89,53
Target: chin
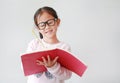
x,y
50,36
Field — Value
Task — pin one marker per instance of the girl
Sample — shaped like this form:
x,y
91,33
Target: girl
x,y
47,22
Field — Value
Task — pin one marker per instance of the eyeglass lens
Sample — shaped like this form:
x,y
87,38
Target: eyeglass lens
x,y
50,22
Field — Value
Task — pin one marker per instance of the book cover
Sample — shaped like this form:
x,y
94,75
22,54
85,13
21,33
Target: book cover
x,y
66,60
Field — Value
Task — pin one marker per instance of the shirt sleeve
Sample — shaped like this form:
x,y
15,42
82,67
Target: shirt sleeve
x,y
60,72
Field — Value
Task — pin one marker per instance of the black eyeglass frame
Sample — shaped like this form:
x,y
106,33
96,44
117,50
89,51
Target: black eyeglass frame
x,y
47,22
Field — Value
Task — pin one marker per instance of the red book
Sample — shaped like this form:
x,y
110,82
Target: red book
x,y
66,60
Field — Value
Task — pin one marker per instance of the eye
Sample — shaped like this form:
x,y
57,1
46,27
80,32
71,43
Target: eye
x,y
41,24
51,22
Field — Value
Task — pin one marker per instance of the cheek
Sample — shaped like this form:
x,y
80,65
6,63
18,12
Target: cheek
x,y
41,31
56,26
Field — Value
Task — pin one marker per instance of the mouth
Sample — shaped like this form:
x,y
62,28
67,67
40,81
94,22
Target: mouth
x,y
49,31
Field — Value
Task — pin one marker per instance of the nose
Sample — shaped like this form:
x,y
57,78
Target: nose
x,y
47,26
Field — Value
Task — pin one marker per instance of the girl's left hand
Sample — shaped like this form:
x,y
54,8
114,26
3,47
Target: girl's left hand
x,y
48,62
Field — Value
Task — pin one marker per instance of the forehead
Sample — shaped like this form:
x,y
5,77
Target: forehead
x,y
44,17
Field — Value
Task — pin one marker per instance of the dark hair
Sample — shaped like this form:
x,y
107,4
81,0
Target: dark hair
x,y
40,11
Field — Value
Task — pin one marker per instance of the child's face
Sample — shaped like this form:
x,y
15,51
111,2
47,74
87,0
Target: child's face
x,y
48,25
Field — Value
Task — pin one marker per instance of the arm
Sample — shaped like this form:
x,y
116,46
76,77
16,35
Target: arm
x,y
55,68
60,72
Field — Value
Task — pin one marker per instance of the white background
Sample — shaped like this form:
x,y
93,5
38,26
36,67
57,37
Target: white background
x,y
91,27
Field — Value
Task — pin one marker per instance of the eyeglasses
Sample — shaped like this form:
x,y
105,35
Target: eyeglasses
x,y
50,22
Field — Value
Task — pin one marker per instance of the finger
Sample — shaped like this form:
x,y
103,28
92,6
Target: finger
x,y
49,60
39,62
55,60
44,60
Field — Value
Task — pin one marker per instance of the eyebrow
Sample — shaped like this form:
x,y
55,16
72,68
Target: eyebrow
x,y
46,21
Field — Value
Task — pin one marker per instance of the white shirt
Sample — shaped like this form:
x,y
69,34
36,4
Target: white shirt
x,y
55,74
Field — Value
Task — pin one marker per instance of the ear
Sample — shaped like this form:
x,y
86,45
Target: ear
x,y
58,22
